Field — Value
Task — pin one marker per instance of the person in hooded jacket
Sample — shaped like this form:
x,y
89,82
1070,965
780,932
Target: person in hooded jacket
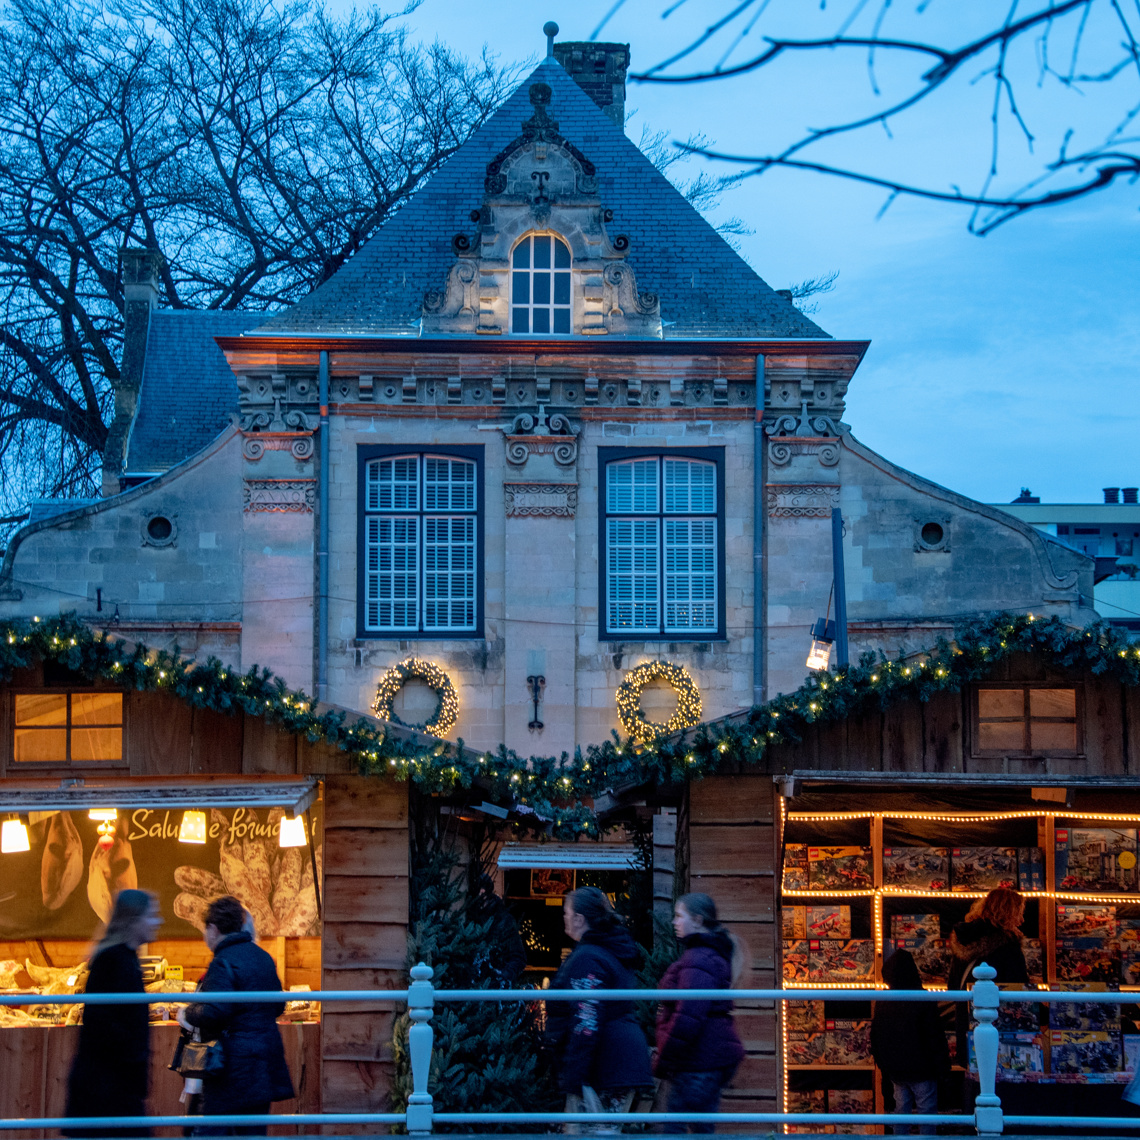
x,y
909,1044
255,1073
600,1053
990,934
698,1048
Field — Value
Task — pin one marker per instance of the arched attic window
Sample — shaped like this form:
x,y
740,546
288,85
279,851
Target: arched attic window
x,y
540,286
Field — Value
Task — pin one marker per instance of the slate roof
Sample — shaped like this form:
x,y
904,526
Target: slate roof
x,y
188,390
706,288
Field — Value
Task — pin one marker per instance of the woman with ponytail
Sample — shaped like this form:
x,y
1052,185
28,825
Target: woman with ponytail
x,y
600,1053
698,1048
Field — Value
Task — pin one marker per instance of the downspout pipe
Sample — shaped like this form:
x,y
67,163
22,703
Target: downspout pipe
x,y
323,536
759,519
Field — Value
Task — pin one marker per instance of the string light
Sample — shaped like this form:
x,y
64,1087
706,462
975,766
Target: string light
x,y
687,714
446,712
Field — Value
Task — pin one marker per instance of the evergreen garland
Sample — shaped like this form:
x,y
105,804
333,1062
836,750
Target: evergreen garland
x,y
555,790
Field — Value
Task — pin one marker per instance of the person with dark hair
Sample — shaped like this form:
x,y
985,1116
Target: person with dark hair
x,y
698,1048
109,1076
601,1055
909,1043
255,1073
506,957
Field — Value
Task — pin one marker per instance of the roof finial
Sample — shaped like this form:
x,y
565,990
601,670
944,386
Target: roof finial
x,y
550,30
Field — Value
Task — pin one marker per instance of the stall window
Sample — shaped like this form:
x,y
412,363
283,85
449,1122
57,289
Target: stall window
x,y
68,728
1024,721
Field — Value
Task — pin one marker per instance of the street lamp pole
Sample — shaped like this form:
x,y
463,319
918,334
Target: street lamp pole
x,y
841,661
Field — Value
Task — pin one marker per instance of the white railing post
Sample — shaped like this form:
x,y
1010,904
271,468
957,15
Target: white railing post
x,y
421,1000
984,999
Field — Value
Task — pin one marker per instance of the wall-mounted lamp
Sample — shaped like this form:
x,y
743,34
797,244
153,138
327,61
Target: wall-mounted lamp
x,y
193,829
14,836
822,639
292,832
106,828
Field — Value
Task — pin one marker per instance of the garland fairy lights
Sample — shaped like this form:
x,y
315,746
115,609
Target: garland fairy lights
x,y
442,721
632,718
558,791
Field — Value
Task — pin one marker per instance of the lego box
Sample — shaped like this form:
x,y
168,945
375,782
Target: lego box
x,y
1034,959
1088,960
833,960
931,956
804,1016
795,962
1087,1017
1086,922
919,868
1030,869
1095,859
1085,1054
827,921
795,867
847,1043
983,868
839,868
805,1048
916,926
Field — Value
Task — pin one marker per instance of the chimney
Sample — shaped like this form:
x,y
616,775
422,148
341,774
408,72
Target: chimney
x,y
599,69
140,296
1027,496
1129,494
1112,494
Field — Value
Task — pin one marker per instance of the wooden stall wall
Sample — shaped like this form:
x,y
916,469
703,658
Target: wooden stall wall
x,y
364,935
732,857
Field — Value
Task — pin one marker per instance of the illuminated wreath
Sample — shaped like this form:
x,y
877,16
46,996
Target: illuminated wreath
x,y
629,700
446,712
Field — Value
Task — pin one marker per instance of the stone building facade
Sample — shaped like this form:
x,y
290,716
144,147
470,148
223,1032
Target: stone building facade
x,y
546,424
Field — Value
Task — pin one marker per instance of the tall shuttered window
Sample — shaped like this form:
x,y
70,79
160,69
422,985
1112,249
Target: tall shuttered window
x,y
540,286
662,536
420,543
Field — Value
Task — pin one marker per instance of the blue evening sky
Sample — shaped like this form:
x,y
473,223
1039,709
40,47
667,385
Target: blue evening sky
x,y
996,362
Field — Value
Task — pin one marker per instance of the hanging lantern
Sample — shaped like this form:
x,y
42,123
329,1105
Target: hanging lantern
x,y
14,837
292,832
107,818
193,829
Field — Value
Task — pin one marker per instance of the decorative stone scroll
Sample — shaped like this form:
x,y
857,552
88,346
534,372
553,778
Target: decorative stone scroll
x,y
802,500
538,435
256,444
782,451
541,500
285,495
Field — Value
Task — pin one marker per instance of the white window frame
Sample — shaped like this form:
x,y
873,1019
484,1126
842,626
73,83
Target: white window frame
x,y
408,569
650,582
530,276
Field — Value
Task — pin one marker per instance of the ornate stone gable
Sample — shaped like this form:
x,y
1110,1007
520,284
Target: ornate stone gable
x,y
541,183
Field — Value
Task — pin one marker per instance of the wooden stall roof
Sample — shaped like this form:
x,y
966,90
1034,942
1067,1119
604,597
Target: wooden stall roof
x,y
77,794
953,779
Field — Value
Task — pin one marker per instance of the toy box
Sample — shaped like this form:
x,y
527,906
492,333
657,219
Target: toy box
x,y
835,960
839,868
806,1100
1030,869
803,1016
931,956
805,1048
983,868
1130,963
1088,960
1096,858
1018,1016
916,926
795,960
1074,1053
921,868
1034,959
1088,1017
1128,929
795,867
1131,1051
1020,1057
851,1101
1086,922
847,1043
827,921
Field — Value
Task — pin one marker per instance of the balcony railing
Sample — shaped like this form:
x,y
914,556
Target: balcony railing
x,y
420,1117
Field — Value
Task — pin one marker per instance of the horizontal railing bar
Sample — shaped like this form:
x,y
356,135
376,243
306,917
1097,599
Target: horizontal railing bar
x,y
697,1118
212,997
1108,997
1132,1122
229,1120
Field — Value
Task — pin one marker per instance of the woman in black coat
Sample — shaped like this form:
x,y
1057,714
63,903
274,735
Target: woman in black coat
x,y
909,1043
698,1048
255,1073
601,1055
109,1073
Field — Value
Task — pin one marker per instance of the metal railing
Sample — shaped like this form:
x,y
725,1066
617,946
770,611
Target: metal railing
x,y
420,1117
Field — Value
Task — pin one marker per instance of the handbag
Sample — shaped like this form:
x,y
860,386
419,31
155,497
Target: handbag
x,y
198,1058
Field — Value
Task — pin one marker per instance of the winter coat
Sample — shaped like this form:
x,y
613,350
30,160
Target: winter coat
x,y
255,1072
695,1036
971,944
109,1073
907,1038
598,1043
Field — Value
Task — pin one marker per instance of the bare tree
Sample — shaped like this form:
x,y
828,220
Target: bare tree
x,y
257,145
1077,62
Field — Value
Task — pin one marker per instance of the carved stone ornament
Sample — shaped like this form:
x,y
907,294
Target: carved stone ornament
x,y
538,435
804,426
541,500
540,183
268,403
782,451
802,500
286,495
256,444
